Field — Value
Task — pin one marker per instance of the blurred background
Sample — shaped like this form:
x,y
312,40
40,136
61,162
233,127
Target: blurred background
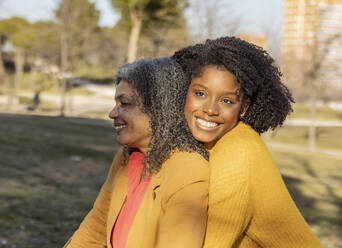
x,y
57,62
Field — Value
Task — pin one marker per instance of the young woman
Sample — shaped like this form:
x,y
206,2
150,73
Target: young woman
x,y
156,192
236,94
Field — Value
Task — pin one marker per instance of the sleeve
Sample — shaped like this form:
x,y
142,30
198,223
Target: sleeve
x,y
277,221
229,210
184,211
92,230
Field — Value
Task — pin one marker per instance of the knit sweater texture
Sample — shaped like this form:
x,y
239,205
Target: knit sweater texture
x,y
249,204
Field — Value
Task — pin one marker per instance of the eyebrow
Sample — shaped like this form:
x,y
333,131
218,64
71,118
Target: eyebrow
x,y
236,92
121,96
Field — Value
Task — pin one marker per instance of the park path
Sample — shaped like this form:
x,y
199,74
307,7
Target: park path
x,y
99,101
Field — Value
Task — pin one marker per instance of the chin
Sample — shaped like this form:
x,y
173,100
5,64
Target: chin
x,y
204,138
121,141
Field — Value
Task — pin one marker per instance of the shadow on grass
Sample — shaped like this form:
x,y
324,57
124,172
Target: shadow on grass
x,y
317,194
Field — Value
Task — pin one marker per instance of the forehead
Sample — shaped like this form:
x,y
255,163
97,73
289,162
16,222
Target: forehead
x,y
216,78
123,88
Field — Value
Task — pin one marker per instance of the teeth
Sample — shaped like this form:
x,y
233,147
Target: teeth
x,y
206,123
120,127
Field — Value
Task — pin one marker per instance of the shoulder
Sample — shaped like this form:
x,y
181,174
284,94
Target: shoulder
x,y
119,158
181,163
119,162
238,151
184,168
241,135
242,141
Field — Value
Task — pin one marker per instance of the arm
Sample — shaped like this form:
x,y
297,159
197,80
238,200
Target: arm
x,y
276,221
185,215
92,231
184,206
229,210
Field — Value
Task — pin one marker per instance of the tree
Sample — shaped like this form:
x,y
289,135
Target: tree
x,y
78,22
2,68
214,18
143,14
19,33
78,27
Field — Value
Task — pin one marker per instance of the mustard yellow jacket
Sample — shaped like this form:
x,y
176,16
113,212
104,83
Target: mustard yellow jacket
x,y
173,212
249,205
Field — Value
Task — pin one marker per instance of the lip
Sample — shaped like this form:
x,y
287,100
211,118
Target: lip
x,y
206,125
118,126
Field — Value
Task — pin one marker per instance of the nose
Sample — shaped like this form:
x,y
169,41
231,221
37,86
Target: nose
x,y
114,113
210,108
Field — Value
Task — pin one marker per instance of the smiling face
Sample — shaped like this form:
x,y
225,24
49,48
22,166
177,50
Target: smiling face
x,y
213,104
131,124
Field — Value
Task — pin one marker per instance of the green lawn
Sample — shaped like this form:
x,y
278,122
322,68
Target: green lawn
x,y
52,168
327,137
50,172
315,182
301,110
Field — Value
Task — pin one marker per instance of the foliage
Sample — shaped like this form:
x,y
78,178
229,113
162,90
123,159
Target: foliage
x,y
46,44
18,31
79,22
151,17
153,12
89,46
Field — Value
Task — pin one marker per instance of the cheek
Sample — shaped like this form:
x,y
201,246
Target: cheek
x,y
231,116
191,105
143,124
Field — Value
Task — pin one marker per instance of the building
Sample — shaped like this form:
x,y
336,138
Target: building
x,y
312,43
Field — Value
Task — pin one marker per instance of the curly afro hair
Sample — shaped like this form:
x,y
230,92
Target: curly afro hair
x,y
162,87
269,100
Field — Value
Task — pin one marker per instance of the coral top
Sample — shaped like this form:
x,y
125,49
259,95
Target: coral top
x,y
135,194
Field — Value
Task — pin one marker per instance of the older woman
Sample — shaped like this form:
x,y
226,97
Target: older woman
x,y
157,188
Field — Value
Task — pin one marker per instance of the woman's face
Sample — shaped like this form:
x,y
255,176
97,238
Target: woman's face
x,y
213,104
131,124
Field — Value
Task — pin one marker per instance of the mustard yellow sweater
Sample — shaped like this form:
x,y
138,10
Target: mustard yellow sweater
x,y
249,205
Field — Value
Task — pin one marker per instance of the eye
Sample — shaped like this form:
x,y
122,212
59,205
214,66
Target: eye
x,y
199,93
227,101
124,103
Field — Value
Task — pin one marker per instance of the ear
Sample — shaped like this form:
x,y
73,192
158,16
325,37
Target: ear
x,y
244,109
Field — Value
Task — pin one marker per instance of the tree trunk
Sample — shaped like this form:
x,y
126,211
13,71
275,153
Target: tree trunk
x,y
136,22
19,70
313,112
33,79
64,65
2,69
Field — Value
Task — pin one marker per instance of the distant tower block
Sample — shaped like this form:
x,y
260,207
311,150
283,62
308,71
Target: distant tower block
x,y
311,31
257,39
329,43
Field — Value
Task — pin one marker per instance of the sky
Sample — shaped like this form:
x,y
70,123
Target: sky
x,y
34,10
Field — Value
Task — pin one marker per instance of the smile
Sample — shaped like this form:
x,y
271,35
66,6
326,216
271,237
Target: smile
x,y
206,125
119,127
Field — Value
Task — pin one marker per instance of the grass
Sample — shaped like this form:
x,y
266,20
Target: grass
x,y
52,168
327,137
315,183
50,173
301,110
